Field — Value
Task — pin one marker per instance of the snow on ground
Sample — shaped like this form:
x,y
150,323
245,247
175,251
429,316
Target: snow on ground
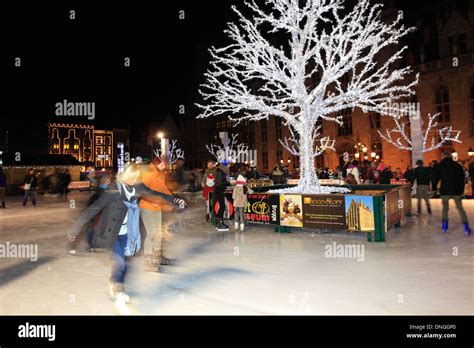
x,y
417,271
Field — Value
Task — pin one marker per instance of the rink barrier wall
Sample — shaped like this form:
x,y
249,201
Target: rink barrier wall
x,y
370,209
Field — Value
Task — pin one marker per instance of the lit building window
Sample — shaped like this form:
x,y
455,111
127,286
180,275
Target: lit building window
x,y
346,127
442,105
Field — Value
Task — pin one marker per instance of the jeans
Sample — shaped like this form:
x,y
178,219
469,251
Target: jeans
x,y
422,192
239,214
119,267
33,197
90,237
458,201
154,231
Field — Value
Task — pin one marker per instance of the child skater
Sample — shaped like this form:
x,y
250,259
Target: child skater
x,y
239,195
207,188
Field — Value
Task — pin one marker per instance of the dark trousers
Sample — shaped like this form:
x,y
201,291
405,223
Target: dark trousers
x,y
33,197
218,197
119,267
458,201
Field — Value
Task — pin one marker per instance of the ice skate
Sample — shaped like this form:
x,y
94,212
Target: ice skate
x,y
116,289
121,304
236,225
242,226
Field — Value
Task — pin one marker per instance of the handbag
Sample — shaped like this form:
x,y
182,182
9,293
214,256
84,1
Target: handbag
x,y
27,187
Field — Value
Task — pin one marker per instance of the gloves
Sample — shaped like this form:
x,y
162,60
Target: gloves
x,y
71,238
179,202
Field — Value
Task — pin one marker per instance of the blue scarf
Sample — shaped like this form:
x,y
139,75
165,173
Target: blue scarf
x,y
133,228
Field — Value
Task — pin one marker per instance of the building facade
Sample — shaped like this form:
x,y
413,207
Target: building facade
x,y
87,144
445,61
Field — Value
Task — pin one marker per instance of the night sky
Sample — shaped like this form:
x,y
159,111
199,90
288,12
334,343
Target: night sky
x,y
82,60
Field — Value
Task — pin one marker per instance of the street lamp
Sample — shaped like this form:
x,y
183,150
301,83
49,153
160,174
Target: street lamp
x,y
160,135
373,154
470,152
357,155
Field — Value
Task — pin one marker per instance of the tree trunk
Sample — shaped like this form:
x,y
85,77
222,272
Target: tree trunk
x,y
309,182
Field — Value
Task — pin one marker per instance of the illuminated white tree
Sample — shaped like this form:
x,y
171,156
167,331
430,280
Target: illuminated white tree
x,y
400,138
230,150
173,153
330,60
320,144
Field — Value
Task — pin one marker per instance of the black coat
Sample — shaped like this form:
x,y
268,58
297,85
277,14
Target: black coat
x,y
451,175
422,175
110,203
385,176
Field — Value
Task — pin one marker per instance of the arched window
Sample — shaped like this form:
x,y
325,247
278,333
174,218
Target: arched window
x,y
442,104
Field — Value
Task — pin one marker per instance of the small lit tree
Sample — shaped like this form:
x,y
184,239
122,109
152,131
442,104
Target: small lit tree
x,y
399,137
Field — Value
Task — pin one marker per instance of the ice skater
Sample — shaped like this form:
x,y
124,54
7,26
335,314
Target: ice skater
x,y
239,195
30,183
451,175
422,177
219,196
152,215
119,227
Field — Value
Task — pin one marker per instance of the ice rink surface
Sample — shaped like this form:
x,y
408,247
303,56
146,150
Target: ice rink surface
x,y
419,270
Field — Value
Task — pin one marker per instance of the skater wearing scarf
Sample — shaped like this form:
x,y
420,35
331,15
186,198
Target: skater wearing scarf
x,y
119,227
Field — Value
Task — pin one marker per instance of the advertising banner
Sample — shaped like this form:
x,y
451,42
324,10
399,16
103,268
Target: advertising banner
x,y
392,209
324,212
360,213
262,209
291,210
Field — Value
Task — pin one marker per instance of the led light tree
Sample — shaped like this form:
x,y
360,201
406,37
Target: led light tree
x,y
330,61
229,151
173,153
399,137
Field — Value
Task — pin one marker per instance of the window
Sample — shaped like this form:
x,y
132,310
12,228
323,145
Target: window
x,y
457,44
376,147
374,118
265,159
442,105
279,154
264,130
278,128
471,118
346,127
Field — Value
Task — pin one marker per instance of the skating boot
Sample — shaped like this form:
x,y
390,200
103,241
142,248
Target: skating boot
x,y
236,225
242,226
467,229
3,205
120,304
445,226
117,290
419,210
165,261
151,264
222,227
429,210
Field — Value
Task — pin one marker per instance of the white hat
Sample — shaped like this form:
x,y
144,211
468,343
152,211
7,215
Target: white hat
x,y
241,180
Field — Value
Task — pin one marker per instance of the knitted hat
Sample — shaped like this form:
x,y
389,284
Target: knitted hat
x,y
380,167
210,180
241,180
